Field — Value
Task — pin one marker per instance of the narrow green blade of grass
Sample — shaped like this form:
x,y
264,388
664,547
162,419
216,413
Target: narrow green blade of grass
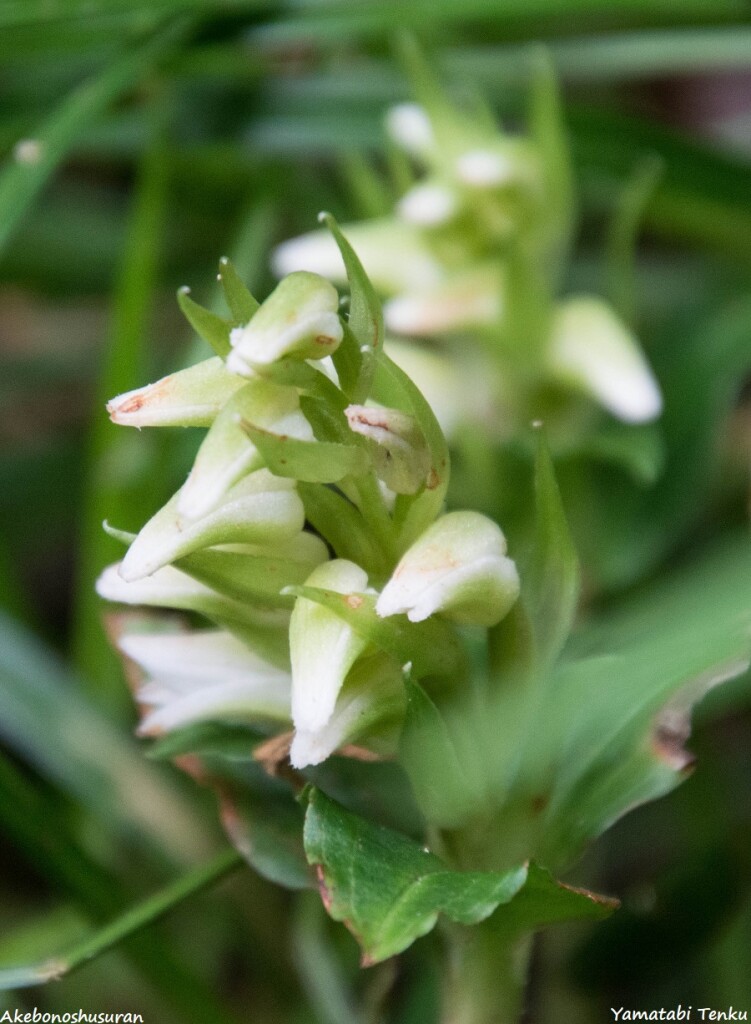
x,y
26,175
621,242
127,924
119,477
28,813
332,20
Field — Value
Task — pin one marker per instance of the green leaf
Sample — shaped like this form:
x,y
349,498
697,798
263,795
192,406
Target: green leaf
x,y
365,314
309,461
616,718
242,304
550,586
212,328
268,834
389,890
217,739
342,526
431,646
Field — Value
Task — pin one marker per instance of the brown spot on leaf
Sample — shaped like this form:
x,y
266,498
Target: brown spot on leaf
x,y
433,479
323,339
667,746
353,601
323,888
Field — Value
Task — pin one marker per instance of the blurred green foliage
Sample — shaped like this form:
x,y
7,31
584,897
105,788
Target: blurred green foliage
x,y
140,141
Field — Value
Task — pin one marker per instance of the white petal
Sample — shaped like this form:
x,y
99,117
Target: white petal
x,y
260,508
593,350
457,567
323,647
469,299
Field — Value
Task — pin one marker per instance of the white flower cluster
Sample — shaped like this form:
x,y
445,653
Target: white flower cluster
x,y
233,539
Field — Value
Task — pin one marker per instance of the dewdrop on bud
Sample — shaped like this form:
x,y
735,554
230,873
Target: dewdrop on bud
x,y
299,319
397,446
459,568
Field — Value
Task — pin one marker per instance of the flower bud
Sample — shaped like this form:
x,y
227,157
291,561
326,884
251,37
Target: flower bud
x,y
428,204
594,351
397,446
458,567
323,647
188,398
409,126
495,166
300,319
261,508
227,454
206,675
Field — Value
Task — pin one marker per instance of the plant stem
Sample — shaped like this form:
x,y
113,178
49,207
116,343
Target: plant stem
x,y
486,976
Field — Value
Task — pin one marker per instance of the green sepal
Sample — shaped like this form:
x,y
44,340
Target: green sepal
x,y
550,584
242,304
441,788
342,526
348,361
256,576
393,387
431,646
309,461
365,313
212,328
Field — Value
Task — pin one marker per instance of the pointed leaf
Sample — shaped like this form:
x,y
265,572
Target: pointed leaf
x,y
389,890
309,461
241,303
550,588
212,328
432,763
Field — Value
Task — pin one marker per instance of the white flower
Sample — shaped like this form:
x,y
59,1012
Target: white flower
x,y
594,351
188,398
458,567
204,676
300,318
261,508
428,204
393,253
227,453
